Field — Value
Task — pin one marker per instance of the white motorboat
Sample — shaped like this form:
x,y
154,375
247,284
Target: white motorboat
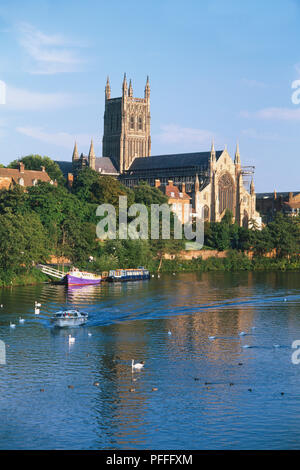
x,y
69,318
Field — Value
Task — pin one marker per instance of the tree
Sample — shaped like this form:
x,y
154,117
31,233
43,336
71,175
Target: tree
x,y
23,241
285,235
13,200
145,194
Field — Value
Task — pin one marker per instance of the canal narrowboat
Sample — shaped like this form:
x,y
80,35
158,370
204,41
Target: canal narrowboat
x,y
81,278
121,275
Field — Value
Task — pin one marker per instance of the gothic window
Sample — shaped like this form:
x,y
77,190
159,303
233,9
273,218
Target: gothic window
x,y
245,220
140,123
206,213
226,193
132,122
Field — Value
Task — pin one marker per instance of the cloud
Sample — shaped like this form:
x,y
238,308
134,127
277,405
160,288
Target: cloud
x,y
254,134
50,54
21,99
253,83
281,114
174,134
60,139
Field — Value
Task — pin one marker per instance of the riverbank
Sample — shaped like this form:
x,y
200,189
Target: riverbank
x,y
234,261
23,278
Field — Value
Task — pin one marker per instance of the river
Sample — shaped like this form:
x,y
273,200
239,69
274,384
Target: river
x,y
194,392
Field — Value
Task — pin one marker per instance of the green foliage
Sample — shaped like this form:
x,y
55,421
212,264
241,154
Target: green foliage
x,y
35,162
146,194
23,241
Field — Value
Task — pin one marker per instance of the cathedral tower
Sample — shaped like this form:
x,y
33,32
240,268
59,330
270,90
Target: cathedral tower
x,y
126,126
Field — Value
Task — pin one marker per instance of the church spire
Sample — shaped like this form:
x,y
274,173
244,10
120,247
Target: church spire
x,y
92,156
124,87
252,189
213,152
197,185
237,159
147,88
130,90
75,155
107,89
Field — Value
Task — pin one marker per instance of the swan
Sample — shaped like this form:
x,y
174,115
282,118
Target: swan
x,y
21,320
169,332
12,325
1,306
276,345
212,337
285,299
89,334
36,311
71,339
242,333
138,365
37,304
246,346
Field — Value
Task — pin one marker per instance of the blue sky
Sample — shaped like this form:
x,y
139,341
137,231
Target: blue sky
x,y
218,68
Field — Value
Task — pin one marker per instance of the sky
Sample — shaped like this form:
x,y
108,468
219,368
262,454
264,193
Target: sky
x,y
218,69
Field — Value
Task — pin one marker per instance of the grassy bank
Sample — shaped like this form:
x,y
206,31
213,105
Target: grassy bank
x,y
235,261
23,278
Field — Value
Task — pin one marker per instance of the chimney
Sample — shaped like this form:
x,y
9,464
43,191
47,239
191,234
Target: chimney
x,y
183,188
157,183
21,167
170,182
43,168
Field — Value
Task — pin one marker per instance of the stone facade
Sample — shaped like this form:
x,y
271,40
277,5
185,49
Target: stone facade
x,y
226,190
126,126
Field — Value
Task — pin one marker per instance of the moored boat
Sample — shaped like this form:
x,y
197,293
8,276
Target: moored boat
x,y
69,318
121,275
81,278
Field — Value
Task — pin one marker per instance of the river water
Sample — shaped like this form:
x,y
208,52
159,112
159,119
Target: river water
x,y
193,392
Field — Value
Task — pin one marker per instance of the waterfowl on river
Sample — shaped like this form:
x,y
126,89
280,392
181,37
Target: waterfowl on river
x,y
138,365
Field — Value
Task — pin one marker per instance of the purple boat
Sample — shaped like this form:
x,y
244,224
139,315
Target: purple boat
x,y
81,278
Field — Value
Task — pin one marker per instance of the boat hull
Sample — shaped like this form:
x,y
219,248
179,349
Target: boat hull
x,y
72,280
63,323
141,277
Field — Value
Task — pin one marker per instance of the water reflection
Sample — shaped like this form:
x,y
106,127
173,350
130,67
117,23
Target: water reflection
x,y
192,393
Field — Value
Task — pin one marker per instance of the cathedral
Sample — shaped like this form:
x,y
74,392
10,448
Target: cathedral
x,y
212,180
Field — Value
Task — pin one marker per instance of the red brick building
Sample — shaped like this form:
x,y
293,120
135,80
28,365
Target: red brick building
x,y
10,177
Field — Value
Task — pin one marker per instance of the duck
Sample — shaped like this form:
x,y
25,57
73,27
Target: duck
x,y
138,365
21,320
12,325
71,339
